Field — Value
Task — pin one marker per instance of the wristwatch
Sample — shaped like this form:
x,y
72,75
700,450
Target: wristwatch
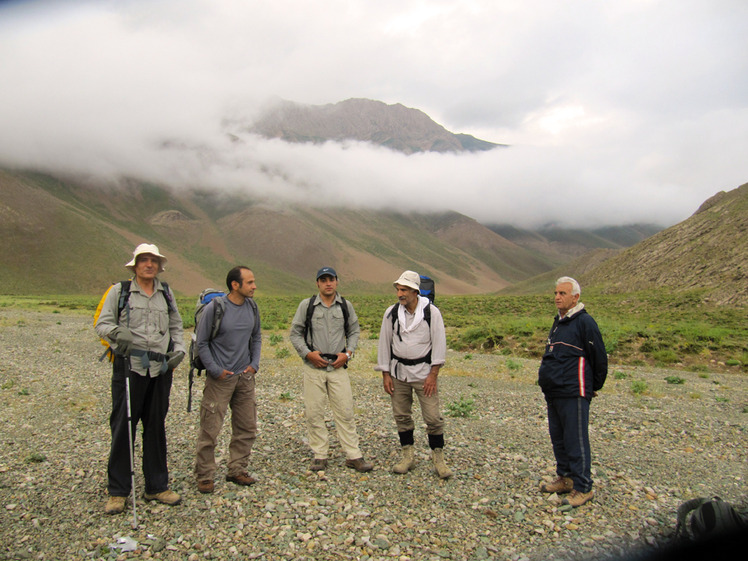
x,y
350,354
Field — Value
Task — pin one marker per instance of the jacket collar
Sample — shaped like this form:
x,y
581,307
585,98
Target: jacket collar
x,y
575,310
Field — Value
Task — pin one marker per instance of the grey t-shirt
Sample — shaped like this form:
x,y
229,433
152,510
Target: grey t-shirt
x,y
237,343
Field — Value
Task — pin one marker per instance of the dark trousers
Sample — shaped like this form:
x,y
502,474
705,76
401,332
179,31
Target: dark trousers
x,y
568,424
149,403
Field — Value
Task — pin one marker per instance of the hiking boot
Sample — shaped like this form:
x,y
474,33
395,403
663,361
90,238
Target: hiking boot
x,y
241,479
206,486
318,464
442,470
359,464
407,462
577,498
558,485
166,497
115,505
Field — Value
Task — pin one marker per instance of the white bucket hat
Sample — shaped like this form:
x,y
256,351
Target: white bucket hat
x,y
146,248
411,279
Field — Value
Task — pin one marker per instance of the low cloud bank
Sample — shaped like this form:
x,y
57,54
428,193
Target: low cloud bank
x,y
615,114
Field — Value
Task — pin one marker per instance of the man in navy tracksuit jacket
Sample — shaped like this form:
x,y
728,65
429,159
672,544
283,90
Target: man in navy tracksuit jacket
x,y
573,368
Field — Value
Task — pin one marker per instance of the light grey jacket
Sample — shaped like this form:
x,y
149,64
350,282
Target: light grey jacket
x,y
328,332
149,320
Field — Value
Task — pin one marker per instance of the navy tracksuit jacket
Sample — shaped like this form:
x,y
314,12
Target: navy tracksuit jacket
x,y
575,363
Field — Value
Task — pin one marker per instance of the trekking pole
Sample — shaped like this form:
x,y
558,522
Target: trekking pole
x,y
132,451
189,389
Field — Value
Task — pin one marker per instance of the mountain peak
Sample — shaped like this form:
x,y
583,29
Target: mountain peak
x,y
394,126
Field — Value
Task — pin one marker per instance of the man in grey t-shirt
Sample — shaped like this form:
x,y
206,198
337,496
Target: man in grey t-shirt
x,y
231,359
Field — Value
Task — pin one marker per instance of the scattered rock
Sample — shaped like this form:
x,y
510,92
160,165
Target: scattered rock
x,y
650,453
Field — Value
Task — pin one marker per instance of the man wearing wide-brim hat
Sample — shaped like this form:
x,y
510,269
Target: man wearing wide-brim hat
x,y
139,318
412,350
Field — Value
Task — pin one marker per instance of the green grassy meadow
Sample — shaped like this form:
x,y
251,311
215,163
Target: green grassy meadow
x,y
652,328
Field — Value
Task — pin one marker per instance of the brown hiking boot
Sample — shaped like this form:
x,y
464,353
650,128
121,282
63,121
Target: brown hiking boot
x,y
359,464
318,464
205,486
408,461
559,485
241,479
437,455
115,505
166,497
577,498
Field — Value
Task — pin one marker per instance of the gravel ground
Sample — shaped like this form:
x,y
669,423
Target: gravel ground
x,y
651,452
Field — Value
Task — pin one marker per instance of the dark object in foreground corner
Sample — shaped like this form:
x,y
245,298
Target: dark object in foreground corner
x,y
706,529
722,547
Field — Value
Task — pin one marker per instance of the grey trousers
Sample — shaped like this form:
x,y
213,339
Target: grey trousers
x,y
238,392
402,407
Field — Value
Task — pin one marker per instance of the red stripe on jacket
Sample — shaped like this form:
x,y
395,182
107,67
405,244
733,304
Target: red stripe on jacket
x,y
580,374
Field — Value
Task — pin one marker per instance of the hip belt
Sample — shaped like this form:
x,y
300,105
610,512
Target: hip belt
x,y
412,361
409,361
332,358
147,356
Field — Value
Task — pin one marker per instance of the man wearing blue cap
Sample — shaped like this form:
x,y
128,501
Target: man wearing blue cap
x,y
325,333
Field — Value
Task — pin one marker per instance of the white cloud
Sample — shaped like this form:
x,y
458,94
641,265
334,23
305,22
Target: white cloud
x,y
616,112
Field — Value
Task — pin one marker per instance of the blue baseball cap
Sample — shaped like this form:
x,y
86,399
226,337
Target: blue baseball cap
x,y
327,271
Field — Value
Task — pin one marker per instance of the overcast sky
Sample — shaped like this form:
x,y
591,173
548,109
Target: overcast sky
x,y
616,111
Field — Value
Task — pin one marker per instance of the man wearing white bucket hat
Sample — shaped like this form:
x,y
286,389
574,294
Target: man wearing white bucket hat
x,y
139,318
412,350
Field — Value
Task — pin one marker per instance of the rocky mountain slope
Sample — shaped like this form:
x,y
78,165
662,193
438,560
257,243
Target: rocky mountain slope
x,y
561,245
708,251
393,126
69,236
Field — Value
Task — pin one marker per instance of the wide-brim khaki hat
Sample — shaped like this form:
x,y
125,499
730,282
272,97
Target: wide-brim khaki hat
x,y
146,248
411,279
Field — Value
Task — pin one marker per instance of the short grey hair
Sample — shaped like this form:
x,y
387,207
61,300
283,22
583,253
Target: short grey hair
x,y
575,289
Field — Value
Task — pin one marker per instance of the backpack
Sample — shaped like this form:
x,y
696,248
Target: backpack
x,y
308,321
124,298
206,296
203,300
709,518
427,288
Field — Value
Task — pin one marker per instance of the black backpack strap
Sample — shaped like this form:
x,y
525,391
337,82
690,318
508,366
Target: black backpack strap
x,y
308,322
167,296
255,310
124,298
170,307
344,307
218,310
683,510
253,304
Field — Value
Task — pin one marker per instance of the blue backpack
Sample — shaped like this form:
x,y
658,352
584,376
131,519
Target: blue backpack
x,y
427,288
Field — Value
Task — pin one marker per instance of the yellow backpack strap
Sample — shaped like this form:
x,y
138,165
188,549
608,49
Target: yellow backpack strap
x,y
122,302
